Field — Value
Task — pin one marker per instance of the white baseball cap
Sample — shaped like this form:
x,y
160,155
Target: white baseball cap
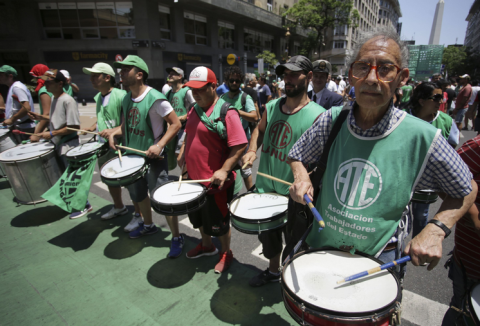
x,y
65,73
200,77
100,68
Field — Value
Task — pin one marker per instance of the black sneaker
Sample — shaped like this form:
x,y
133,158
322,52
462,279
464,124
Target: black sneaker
x,y
264,278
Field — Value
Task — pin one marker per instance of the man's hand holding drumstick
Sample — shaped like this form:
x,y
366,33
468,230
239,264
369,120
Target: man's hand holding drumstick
x,y
110,134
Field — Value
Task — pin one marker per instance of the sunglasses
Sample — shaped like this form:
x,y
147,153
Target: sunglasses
x,y
238,81
436,98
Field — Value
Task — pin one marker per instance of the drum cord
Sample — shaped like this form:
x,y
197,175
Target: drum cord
x,y
460,311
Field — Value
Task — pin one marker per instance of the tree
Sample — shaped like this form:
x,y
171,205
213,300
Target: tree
x,y
454,60
319,15
268,57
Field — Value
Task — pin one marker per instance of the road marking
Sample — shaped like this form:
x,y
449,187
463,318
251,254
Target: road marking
x,y
258,253
422,311
101,185
186,222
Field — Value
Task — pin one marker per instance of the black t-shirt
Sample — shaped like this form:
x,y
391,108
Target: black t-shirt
x,y
253,93
451,95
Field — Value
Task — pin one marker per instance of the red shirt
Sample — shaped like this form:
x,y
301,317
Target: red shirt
x,y
445,99
205,151
467,238
464,95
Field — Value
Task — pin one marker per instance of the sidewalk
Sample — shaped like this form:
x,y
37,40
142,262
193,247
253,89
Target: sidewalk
x,y
57,271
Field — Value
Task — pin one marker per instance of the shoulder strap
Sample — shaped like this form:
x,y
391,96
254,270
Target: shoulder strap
x,y
244,100
322,164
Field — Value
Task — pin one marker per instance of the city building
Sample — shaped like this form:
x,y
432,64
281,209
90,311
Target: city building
x,y
339,41
472,36
437,24
188,33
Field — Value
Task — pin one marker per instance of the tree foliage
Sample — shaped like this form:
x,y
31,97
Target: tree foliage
x,y
268,57
319,15
461,60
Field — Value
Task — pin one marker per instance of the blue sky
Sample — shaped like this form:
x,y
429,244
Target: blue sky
x,y
417,19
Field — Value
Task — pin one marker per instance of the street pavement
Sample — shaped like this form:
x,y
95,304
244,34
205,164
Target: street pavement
x,y
426,294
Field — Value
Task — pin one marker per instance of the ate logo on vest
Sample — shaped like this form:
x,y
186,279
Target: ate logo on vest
x,y
358,183
280,134
175,102
134,117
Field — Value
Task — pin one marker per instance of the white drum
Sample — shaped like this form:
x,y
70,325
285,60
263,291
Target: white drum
x,y
167,199
473,306
254,213
85,151
31,169
120,174
312,295
7,141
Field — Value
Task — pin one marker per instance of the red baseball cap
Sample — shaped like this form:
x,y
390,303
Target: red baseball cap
x,y
200,77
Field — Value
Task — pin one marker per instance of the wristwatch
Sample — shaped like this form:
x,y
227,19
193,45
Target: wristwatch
x,y
441,226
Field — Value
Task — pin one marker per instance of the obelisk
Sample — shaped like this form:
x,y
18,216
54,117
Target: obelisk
x,y
437,24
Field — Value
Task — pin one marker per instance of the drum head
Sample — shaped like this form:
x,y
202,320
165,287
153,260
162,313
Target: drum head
x,y
313,278
254,206
3,132
115,169
475,300
169,193
26,152
84,149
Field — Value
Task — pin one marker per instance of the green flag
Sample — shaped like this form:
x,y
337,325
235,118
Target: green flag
x,y
71,191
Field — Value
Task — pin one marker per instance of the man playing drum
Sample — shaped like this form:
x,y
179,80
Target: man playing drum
x,y
209,156
246,109
44,99
283,122
109,105
181,100
144,112
16,112
63,113
379,157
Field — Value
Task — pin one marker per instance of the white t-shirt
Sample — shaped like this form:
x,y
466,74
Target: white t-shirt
x,y
475,90
341,87
64,112
166,88
332,86
159,109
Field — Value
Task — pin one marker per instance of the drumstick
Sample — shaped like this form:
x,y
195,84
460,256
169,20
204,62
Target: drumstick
x,y
375,270
120,155
315,213
245,165
134,150
199,181
85,131
181,176
18,132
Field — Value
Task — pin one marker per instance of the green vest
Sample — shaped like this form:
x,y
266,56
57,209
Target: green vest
x,y
236,102
109,116
177,100
282,131
407,92
368,183
42,90
138,127
443,122
68,89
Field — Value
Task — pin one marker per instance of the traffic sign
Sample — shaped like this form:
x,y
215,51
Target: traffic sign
x,y
231,59
118,57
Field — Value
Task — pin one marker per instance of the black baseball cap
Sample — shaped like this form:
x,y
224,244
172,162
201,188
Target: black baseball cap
x,y
322,66
296,63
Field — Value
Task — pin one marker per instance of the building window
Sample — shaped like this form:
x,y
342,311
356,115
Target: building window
x,y
269,5
226,38
165,27
256,42
195,29
339,45
87,20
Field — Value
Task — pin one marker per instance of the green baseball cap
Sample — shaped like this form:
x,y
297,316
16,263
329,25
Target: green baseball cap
x,y
8,70
100,68
132,60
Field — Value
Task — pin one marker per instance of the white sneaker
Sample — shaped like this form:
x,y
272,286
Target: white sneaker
x,y
134,223
114,212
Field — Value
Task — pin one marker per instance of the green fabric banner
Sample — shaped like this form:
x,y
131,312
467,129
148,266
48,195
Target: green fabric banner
x,y
70,193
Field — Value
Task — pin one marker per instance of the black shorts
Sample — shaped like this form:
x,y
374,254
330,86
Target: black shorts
x,y
272,244
214,216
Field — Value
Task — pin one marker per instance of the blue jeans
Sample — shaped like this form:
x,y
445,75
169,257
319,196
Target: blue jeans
x,y
388,256
420,217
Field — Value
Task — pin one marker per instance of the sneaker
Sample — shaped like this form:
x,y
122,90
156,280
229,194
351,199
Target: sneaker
x,y
143,230
88,208
224,262
134,223
264,278
114,212
200,251
176,247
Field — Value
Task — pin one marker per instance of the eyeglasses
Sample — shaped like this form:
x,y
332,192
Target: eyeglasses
x,y
385,73
238,81
436,98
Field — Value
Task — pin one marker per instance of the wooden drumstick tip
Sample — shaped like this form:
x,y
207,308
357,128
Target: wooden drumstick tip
x,y
245,165
322,224
341,281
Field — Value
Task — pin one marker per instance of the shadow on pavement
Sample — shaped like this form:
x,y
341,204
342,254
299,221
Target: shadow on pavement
x,y
38,216
83,235
4,184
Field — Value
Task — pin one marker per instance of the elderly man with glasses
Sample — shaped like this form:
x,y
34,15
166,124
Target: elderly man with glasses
x,y
379,157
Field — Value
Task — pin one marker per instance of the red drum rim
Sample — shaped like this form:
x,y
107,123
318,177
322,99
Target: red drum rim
x,y
322,313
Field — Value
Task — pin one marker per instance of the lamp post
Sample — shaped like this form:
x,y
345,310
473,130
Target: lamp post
x,y
287,37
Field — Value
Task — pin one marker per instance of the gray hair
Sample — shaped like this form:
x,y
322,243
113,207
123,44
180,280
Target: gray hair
x,y
388,33
249,77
